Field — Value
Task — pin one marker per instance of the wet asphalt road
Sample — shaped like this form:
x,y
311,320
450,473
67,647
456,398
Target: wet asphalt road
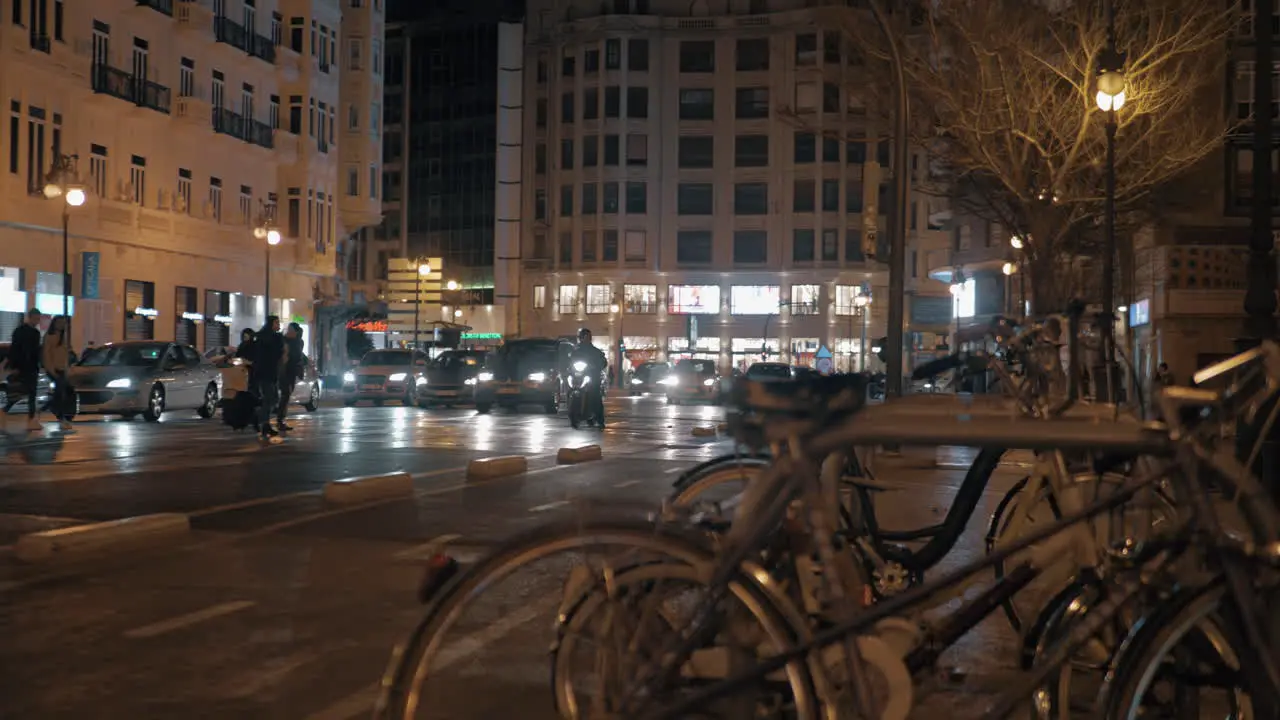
x,y
282,607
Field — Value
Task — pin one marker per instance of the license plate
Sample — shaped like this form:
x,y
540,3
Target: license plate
x,y
446,393
370,387
508,391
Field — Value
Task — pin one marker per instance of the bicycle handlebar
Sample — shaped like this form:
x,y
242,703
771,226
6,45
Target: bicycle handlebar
x,y
936,367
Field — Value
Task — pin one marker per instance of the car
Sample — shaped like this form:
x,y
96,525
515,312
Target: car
x,y
451,378
310,388
145,377
382,375
43,384
770,371
521,372
648,378
693,380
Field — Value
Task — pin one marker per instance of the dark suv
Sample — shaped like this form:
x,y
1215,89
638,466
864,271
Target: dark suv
x,y
451,378
521,372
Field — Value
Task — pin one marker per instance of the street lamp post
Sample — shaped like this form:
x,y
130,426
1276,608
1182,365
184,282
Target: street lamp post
x,y
616,309
1009,269
64,181
863,303
957,287
423,270
1110,98
265,229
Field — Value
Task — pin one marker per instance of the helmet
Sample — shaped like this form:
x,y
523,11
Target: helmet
x,y
584,333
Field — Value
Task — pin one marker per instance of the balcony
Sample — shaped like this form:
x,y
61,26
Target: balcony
x,y
41,43
226,30
262,48
259,133
193,109
226,122
139,91
162,6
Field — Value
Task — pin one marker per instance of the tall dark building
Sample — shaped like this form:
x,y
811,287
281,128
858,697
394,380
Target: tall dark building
x,y
441,112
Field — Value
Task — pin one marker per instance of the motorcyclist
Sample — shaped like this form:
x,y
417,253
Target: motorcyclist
x,y
596,366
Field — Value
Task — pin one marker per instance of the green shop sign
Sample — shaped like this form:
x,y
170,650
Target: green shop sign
x,y
481,336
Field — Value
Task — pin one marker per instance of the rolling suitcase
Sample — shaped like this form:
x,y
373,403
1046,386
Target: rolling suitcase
x,y
240,410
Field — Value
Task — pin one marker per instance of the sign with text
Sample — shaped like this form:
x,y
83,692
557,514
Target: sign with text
x,y
89,264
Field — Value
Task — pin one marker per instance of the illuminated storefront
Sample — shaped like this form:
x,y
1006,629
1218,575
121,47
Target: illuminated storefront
x,y
706,348
746,351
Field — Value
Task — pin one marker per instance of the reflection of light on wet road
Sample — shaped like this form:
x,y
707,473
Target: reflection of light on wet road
x,y
123,435
483,432
537,432
348,419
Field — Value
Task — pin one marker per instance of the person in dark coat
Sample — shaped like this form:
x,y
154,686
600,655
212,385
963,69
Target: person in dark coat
x,y
246,351
268,360
24,364
291,373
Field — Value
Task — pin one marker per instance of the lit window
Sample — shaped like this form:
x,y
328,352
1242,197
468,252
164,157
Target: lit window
x,y
599,298
569,298
804,299
754,299
693,299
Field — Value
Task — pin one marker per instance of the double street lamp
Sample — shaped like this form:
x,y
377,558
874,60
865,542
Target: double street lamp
x,y
1110,98
63,181
264,228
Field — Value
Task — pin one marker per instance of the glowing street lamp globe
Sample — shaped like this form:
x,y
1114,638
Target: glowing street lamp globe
x,y
75,197
1009,268
424,269
1016,242
1110,91
451,285
273,237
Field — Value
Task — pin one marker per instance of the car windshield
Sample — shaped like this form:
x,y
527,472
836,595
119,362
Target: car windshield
x,y
384,357
132,355
696,367
768,370
652,371
458,360
523,357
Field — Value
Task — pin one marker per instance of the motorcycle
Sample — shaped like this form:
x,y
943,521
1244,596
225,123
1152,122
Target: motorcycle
x,y
580,382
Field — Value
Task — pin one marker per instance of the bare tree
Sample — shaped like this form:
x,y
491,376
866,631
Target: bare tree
x,y
1003,96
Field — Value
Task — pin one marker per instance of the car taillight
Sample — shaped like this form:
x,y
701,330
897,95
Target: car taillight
x,y
439,570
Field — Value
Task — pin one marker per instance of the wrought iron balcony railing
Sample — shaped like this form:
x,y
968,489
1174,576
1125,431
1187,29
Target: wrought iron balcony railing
x,y
262,48
260,134
164,6
226,30
226,122
144,93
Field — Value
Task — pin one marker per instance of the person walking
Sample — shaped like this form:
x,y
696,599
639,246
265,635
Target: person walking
x,y
24,364
269,356
247,351
291,372
55,355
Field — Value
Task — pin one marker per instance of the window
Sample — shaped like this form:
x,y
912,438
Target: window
x,y
753,54
804,298
831,48
591,103
830,196
590,151
803,199
590,201
806,148
353,182
215,199
637,149
852,196
186,77
373,182
696,151
634,246
566,154
612,54
609,249
273,112
566,248
591,61
613,101
611,150
589,252
567,65
599,298
566,201
568,300
138,179
882,150
355,53
754,299
59,18
97,162
637,198
830,98
566,108
295,114
183,201
853,246
693,299
540,249
751,103
640,299
610,198
807,49
698,56
802,246
856,153
806,97
246,204
751,151
15,130
750,246
539,297
695,199
353,117
830,245
638,102
693,247
750,199
375,56
845,299
697,104
540,113
295,216
295,34
139,295
542,71
638,55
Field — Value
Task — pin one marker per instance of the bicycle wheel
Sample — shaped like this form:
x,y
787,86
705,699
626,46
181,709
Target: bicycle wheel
x,y
715,490
432,678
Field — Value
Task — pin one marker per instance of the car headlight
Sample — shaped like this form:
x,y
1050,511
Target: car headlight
x,y
469,381
484,376
671,381
348,377
580,366
637,381
120,383
397,377
538,377
709,382
421,380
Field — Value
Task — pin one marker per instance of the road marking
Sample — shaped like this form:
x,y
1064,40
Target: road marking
x,y
354,705
181,621
214,509
673,471
549,506
479,640
627,483
427,549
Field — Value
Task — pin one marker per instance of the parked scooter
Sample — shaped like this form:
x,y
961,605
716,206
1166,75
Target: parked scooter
x,y
581,385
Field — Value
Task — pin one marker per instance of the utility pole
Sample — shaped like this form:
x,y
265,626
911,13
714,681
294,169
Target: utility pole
x,y
1260,287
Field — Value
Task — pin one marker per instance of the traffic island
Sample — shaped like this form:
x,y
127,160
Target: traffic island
x,y
575,455
100,538
497,467
357,490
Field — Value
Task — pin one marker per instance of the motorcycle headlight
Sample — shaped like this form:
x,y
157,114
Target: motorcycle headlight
x,y
671,380
538,377
709,382
397,377
470,381
637,381
580,366
348,377
120,384
484,376
422,380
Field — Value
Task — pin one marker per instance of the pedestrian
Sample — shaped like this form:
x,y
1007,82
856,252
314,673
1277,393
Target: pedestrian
x,y
1163,378
292,372
24,364
269,356
55,356
245,352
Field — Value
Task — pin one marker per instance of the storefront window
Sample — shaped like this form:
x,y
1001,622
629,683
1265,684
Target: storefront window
x,y
139,310
693,299
804,299
49,294
754,299
599,298
217,319
845,299
751,350
13,302
804,351
186,315
707,348
966,300
568,301
641,299
848,354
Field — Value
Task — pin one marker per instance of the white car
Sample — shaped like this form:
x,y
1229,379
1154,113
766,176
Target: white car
x,y
145,377
386,375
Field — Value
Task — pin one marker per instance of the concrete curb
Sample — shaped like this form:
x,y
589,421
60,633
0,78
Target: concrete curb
x,y
704,431
497,467
356,490
575,455
101,537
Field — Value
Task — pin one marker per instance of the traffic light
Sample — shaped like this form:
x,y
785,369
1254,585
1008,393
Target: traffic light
x,y
880,347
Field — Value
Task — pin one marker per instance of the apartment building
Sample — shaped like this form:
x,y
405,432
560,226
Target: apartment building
x,y
193,127
704,185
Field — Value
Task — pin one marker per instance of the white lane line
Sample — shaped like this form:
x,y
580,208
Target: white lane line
x,y
199,616
627,483
673,471
243,504
549,506
427,549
